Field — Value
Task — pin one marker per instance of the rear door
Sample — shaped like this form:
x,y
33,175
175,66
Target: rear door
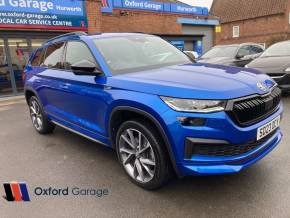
x,y
48,81
76,99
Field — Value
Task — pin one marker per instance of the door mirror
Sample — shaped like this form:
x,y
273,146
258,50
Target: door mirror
x,y
240,56
85,68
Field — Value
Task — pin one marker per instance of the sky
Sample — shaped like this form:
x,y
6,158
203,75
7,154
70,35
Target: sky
x,y
203,3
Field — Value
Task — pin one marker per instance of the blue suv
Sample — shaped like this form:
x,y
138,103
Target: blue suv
x,y
160,111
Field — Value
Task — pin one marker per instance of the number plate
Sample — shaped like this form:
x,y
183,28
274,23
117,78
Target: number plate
x,y
265,130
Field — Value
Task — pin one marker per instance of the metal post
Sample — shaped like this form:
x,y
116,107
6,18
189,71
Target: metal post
x,y
10,67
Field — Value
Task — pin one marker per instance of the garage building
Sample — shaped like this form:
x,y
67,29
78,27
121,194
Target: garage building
x,y
25,27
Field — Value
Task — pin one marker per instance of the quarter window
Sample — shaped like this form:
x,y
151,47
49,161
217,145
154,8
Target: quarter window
x,y
53,55
77,51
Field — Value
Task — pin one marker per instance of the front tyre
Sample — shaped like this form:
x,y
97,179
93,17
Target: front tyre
x,y
39,119
142,154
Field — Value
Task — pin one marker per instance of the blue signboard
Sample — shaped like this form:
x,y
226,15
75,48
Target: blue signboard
x,y
48,14
178,44
198,47
153,6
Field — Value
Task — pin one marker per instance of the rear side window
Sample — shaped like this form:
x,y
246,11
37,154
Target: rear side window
x,y
256,49
77,51
38,56
54,55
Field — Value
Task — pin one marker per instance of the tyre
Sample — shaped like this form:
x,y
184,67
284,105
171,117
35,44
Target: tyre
x,y
39,119
142,154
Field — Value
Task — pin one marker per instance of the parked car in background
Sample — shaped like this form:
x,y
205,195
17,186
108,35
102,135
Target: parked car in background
x,y
232,55
275,62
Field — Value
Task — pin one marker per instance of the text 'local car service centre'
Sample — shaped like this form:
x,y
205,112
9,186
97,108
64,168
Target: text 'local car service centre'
x,y
26,24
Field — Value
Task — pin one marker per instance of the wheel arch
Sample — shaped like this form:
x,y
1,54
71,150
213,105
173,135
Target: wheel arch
x,y
141,113
28,93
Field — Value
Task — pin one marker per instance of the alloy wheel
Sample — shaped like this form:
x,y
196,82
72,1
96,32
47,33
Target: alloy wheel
x,y
137,155
36,115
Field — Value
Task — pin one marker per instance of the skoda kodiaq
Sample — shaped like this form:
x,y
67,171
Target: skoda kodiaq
x,y
160,111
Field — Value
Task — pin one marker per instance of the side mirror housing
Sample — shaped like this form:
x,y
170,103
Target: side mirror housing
x,y
85,68
240,56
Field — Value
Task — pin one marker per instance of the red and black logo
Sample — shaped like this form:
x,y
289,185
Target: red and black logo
x,y
16,191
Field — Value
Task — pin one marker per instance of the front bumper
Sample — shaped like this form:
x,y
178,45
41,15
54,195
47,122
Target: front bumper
x,y
218,127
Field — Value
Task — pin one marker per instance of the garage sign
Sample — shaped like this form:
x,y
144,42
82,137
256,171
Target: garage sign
x,y
44,14
153,6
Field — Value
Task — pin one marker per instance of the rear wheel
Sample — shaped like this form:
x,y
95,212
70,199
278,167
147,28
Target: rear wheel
x,y
39,119
142,154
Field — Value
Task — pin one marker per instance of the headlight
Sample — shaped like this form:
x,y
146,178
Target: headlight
x,y
194,105
246,66
287,69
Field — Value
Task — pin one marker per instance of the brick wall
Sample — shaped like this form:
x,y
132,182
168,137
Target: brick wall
x,y
132,21
259,30
94,15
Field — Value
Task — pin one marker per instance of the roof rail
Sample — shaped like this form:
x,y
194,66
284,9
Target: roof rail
x,y
78,33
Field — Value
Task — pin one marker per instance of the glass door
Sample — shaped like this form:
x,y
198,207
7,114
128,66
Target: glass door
x,y
19,56
5,75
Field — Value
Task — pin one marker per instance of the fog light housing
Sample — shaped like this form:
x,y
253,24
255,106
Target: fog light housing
x,y
191,121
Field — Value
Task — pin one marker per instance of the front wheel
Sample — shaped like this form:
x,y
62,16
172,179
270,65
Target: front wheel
x,y
142,154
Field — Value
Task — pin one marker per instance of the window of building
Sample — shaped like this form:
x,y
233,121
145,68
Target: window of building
x,y
77,51
37,57
236,31
53,55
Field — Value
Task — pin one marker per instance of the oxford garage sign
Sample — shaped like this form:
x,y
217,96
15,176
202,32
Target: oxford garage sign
x,y
44,14
153,6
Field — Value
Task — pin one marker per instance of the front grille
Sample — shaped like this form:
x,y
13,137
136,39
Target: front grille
x,y
223,150
252,110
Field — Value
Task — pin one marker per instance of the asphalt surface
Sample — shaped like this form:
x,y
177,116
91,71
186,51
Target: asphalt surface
x,y
64,159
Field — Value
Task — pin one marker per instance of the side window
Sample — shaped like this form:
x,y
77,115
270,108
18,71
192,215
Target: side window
x,y
53,55
77,51
256,50
38,56
244,50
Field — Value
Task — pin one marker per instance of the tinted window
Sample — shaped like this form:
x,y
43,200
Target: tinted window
x,y
38,56
53,55
256,49
77,51
125,54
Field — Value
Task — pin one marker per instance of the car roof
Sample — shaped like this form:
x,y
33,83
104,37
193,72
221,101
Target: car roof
x,y
108,35
79,35
239,45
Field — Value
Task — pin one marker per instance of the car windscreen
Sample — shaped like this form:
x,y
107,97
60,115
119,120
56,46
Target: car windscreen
x,y
124,54
278,50
221,51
